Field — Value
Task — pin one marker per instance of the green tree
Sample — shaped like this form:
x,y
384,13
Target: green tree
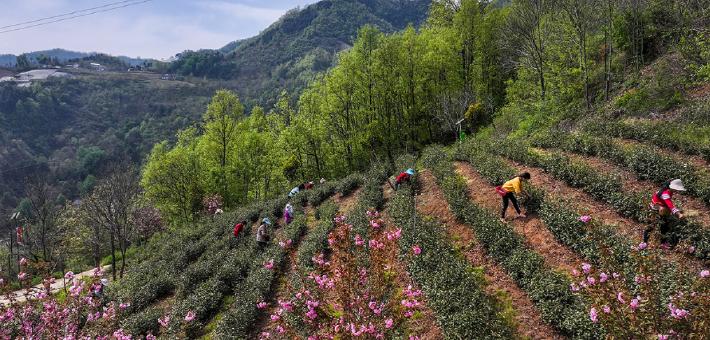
x,y
220,124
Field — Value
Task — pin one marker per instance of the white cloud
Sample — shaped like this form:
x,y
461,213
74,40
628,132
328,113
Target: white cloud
x,y
146,36
242,11
157,29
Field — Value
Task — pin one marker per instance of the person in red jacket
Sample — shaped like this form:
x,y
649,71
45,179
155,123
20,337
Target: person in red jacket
x,y
238,228
663,207
403,177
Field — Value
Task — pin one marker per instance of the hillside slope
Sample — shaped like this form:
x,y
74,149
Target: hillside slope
x,y
289,53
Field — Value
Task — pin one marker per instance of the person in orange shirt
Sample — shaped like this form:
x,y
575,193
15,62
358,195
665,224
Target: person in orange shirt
x,y
509,190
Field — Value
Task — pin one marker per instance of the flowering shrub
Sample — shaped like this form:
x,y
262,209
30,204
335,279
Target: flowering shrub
x,y
645,306
212,204
84,312
147,221
341,298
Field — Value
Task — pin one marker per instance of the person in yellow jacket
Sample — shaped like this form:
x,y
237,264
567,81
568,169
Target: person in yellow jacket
x,y
509,190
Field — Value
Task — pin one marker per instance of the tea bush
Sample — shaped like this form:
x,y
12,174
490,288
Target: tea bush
x,y
454,289
349,184
546,288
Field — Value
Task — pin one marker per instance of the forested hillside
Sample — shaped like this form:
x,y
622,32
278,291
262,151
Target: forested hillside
x,y
65,128
292,51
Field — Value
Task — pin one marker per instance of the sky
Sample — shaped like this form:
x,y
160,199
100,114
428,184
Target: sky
x,y
155,29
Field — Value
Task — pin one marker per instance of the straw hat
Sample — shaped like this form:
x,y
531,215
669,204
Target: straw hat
x,y
677,184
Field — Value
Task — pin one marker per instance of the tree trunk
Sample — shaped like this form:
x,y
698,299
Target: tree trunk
x,y
113,257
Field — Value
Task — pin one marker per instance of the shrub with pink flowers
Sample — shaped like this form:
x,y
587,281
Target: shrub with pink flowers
x,y
645,302
344,296
212,204
39,314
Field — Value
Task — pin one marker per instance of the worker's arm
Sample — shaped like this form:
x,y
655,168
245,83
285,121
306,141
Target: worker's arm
x,y
669,203
518,186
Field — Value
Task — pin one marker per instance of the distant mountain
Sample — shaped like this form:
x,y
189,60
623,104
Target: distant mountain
x,y
303,42
10,60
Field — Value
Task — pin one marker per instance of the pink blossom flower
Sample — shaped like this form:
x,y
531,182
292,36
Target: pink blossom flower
x,y
120,335
620,297
98,272
593,315
359,241
261,305
275,317
265,335
663,337
414,337
635,303
69,275
124,305
395,235
606,309
150,336
389,323
374,244
642,246
705,273
574,287
691,249
416,250
585,218
615,275
375,224
603,277
312,314
269,264
586,268
23,261
575,272
591,280
286,305
190,316
22,276
280,329
164,321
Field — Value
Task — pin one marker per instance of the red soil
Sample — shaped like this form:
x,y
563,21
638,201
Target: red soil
x,y
537,236
347,203
432,203
426,326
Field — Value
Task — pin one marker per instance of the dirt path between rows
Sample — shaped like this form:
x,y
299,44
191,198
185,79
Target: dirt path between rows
x,y
630,182
537,236
432,203
426,326
585,204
